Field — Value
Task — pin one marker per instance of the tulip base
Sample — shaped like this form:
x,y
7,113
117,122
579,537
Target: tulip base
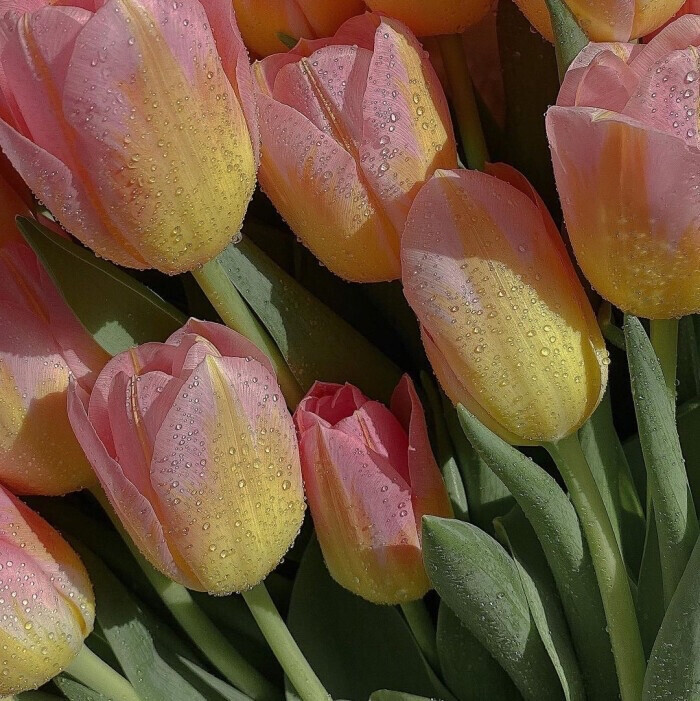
x,y
283,645
96,674
609,566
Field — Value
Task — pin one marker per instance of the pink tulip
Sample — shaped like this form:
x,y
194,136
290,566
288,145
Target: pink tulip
x,y
47,607
690,7
134,122
351,127
370,477
624,140
41,344
193,444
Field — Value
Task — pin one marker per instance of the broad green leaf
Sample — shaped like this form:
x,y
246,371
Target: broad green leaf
x,y
673,673
477,579
355,648
674,511
317,344
117,310
487,497
75,691
556,524
515,531
569,38
467,666
609,465
650,588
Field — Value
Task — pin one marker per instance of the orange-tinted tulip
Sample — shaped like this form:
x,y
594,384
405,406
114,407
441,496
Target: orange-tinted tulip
x,y
605,20
624,140
370,477
195,448
436,16
262,21
41,344
47,607
134,124
505,321
351,128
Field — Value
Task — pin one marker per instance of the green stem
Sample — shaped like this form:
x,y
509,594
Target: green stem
x,y
421,625
203,633
464,101
610,569
236,314
96,674
664,338
283,645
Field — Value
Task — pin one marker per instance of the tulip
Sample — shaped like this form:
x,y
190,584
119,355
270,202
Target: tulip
x,y
134,124
261,23
351,128
605,20
41,344
624,141
435,17
195,449
504,319
47,607
689,7
370,477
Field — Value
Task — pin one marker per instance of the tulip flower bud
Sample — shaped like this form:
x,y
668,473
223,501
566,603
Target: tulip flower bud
x,y
505,321
624,141
605,20
370,477
354,124
689,7
134,124
47,608
435,17
41,344
262,23
195,448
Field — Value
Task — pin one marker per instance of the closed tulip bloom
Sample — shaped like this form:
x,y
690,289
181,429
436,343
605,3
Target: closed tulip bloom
x,y
47,607
261,22
370,477
605,20
435,17
505,321
689,7
351,128
41,345
134,124
624,141
195,449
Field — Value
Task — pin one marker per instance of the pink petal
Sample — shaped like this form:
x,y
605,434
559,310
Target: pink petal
x,y
408,129
226,474
608,83
331,402
632,209
345,219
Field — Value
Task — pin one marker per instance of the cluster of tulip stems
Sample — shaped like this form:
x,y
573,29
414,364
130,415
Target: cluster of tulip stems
x,y
436,391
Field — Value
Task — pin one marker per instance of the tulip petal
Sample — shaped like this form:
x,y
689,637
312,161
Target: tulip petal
x,y
132,508
494,293
407,125
606,20
345,220
639,246
608,83
159,123
232,505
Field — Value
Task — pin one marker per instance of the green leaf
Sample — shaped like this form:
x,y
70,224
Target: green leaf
x,y
608,462
467,666
147,664
673,673
689,358
117,310
317,344
569,38
36,696
355,648
75,691
515,531
477,579
650,588
556,524
674,511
